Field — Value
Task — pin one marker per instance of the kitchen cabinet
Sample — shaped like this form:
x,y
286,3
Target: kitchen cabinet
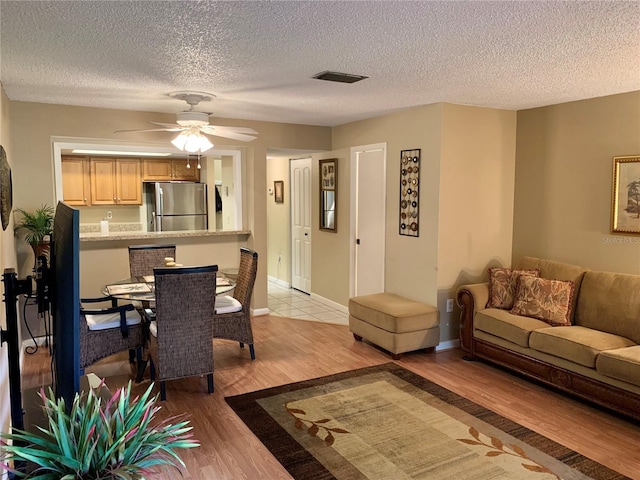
x,y
76,181
169,169
116,181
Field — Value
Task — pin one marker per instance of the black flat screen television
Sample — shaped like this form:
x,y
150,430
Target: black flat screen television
x,y
65,296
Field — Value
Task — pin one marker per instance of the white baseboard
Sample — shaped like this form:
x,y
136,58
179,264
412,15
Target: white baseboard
x,y
277,281
448,345
258,312
330,303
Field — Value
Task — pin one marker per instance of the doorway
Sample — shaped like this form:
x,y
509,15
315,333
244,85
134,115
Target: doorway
x,y
368,219
300,179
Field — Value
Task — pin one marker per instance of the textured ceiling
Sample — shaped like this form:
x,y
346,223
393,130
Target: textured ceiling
x,y
259,57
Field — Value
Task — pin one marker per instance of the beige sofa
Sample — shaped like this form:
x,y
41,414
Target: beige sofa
x,y
596,358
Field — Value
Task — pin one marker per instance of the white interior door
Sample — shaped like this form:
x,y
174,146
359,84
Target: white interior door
x,y
300,175
368,208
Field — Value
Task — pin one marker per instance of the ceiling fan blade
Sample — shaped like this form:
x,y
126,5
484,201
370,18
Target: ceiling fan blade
x,y
227,132
149,130
246,130
168,125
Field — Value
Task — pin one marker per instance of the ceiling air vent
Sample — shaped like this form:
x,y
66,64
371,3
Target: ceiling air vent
x,y
339,77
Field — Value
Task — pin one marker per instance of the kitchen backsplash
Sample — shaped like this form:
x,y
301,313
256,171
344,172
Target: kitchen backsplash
x,y
113,227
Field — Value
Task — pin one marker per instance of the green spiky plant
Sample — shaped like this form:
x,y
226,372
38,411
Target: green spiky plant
x,y
37,224
117,440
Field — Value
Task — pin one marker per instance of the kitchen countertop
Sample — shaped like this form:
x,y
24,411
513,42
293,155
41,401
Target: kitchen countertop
x,y
138,235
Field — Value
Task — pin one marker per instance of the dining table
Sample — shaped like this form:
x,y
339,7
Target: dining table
x,y
142,289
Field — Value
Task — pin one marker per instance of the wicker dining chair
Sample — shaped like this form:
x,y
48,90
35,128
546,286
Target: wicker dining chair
x,y
180,343
107,331
144,258
232,320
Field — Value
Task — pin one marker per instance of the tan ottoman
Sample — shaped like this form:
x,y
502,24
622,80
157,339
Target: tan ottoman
x,y
394,323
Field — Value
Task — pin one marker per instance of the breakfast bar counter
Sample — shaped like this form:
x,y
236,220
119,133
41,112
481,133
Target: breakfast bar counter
x,y
139,235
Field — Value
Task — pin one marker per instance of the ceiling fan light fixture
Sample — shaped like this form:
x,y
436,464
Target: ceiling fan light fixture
x,y
192,142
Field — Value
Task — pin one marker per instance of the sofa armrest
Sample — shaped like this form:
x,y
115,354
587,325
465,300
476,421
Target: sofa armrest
x,y
470,298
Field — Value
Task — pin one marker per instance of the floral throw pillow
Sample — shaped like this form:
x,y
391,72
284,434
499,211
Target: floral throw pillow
x,y
502,286
544,299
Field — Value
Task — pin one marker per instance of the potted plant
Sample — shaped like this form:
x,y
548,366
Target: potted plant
x,y
38,226
114,440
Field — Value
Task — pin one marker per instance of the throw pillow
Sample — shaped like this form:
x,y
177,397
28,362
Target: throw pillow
x,y
544,299
502,286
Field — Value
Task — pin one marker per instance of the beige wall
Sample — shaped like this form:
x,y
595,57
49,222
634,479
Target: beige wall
x,y
7,260
279,226
564,180
410,263
466,198
34,125
477,172
330,250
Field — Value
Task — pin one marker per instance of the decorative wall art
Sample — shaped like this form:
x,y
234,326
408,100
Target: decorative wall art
x,y
328,195
278,188
409,192
625,198
6,189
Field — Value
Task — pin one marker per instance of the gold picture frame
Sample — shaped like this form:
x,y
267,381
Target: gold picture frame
x,y
329,195
625,197
278,189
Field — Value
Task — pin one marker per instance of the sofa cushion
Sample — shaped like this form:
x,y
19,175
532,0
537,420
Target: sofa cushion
x,y
502,286
507,326
622,363
558,271
544,299
610,302
577,344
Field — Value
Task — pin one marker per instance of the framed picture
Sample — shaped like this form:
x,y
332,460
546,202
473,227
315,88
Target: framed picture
x,y
625,203
328,194
278,189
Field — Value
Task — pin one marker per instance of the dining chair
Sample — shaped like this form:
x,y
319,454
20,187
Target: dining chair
x,y
107,331
180,343
144,258
232,320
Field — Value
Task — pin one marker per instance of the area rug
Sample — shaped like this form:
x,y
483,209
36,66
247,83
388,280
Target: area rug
x,y
387,423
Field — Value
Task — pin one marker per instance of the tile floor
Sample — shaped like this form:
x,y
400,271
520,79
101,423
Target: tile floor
x,y
291,303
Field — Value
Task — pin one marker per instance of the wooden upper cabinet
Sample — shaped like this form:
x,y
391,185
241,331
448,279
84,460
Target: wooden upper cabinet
x,y
156,170
168,169
116,181
181,172
128,182
76,181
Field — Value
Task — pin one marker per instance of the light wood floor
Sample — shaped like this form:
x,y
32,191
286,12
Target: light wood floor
x,y
291,350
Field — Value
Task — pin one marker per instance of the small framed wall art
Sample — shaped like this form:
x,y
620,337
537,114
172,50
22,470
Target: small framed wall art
x,y
409,220
278,189
625,196
328,194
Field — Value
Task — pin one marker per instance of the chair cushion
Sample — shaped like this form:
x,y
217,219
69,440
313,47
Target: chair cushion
x,y
227,304
111,320
153,328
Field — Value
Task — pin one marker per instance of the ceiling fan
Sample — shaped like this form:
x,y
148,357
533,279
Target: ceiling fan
x,y
192,125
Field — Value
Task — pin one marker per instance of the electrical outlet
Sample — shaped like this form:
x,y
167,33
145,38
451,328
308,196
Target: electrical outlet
x,y
449,305
109,214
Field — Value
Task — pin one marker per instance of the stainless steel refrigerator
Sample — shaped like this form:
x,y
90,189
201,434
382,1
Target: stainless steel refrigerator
x,y
174,206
